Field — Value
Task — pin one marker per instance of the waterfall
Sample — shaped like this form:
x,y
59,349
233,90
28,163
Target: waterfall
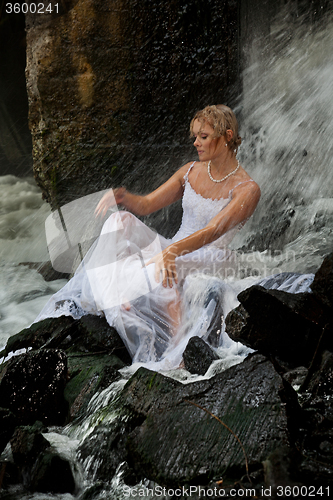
x,y
287,126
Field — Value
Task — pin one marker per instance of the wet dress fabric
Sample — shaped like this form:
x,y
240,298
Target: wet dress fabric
x,y
114,281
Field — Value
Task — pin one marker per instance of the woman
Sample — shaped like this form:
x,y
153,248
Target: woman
x,y
138,279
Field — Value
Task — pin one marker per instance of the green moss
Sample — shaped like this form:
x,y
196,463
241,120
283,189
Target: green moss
x,y
86,376
151,381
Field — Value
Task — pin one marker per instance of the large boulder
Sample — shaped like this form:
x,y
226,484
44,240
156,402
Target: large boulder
x,y
190,434
94,334
94,354
284,325
48,332
89,334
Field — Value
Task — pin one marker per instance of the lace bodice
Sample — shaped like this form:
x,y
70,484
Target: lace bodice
x,y
198,211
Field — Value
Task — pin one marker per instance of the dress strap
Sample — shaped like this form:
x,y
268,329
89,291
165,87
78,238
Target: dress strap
x,y
243,182
186,175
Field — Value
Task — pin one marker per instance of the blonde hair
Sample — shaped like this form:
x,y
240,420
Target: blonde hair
x,y
221,118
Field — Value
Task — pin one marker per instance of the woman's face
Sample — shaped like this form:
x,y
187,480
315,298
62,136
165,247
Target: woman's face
x,y
207,146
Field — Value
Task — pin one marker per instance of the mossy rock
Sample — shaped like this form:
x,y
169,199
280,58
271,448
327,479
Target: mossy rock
x,y
89,374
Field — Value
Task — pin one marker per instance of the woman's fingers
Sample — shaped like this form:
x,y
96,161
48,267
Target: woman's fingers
x,y
165,270
103,205
169,274
110,199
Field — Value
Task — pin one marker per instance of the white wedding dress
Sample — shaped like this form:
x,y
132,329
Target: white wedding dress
x,y
113,281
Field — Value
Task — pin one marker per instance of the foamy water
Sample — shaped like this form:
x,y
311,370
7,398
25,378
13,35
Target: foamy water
x,y
23,291
287,124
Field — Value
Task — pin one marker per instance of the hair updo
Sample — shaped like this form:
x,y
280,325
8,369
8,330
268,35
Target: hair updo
x,y
221,118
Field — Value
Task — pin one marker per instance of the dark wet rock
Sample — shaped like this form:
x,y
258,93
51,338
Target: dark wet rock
x,y
106,445
198,356
315,436
296,377
280,324
89,334
51,473
27,443
94,350
318,474
32,387
216,322
319,385
281,469
44,333
8,423
95,355
316,444
96,335
88,375
322,285
10,475
36,465
169,440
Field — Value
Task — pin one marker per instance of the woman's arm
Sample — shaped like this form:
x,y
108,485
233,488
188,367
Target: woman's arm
x,y
242,205
167,193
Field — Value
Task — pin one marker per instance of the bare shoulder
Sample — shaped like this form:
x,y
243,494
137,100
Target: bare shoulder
x,y
186,167
182,171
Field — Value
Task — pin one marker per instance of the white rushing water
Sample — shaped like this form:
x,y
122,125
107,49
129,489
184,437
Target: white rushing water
x,y
287,111
287,127
23,291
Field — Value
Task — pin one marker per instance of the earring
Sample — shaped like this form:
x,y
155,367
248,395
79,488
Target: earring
x,y
226,144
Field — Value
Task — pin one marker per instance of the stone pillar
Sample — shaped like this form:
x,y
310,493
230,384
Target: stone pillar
x,y
77,65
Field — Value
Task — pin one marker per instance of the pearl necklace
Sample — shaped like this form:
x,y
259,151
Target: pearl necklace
x,y
224,178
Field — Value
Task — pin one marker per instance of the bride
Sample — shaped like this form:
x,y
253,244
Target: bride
x,y
143,283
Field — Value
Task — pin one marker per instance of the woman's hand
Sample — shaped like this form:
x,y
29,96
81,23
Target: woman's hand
x,y
110,199
165,266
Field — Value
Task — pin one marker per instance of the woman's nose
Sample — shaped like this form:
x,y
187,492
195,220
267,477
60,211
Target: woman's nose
x,y
196,142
